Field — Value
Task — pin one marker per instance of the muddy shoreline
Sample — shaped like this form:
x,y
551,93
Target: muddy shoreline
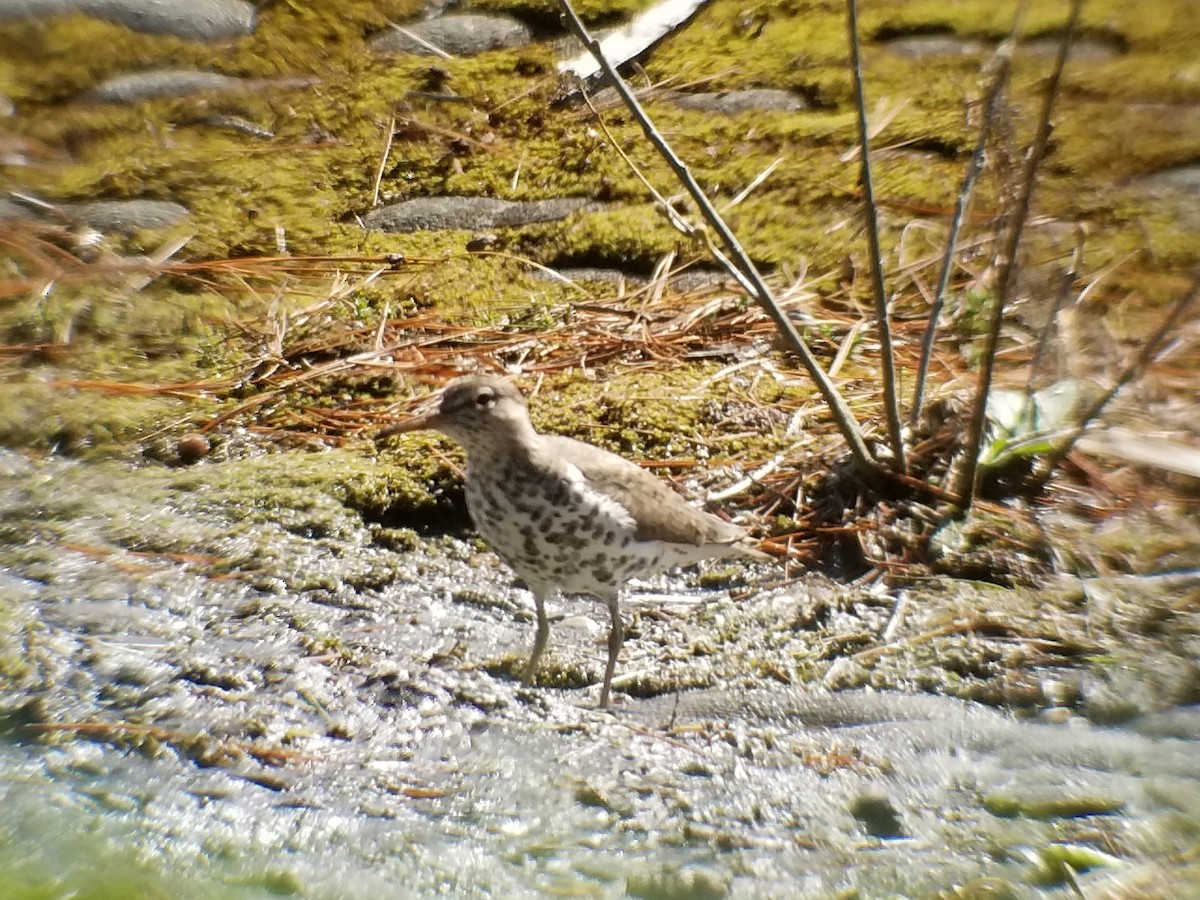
x,y
297,709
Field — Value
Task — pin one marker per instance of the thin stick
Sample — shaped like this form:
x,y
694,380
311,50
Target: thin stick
x,y
1065,280
1003,62
748,189
887,358
383,158
742,268
1008,266
432,48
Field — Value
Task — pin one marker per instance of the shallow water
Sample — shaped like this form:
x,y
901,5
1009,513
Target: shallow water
x,y
298,709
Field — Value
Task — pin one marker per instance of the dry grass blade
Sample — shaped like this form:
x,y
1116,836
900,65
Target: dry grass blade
x,y
417,39
185,390
388,137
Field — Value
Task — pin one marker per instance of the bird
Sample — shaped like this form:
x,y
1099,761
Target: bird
x,y
565,515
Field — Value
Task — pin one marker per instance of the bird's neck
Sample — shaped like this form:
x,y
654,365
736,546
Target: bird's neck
x,y
518,443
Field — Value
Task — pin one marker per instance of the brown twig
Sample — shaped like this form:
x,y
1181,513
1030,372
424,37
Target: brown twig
x,y
887,359
1003,63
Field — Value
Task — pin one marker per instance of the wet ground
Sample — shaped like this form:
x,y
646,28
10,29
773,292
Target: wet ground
x,y
207,695
233,680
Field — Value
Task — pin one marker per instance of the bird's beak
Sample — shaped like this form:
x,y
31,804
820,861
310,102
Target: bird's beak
x,y
431,420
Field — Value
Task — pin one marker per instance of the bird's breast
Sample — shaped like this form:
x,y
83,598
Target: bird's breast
x,y
554,529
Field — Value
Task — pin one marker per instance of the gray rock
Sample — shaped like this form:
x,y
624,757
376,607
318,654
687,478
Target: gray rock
x,y
457,35
1083,49
1175,191
126,216
649,27
596,276
1182,723
569,45
239,125
470,213
121,216
733,102
11,10
201,20
921,46
135,86
162,83
1181,179
10,210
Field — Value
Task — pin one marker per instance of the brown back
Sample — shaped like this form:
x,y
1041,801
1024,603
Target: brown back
x,y
660,513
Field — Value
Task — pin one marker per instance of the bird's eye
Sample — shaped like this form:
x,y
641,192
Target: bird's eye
x,y
484,398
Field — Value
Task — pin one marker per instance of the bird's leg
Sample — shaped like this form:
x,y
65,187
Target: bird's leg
x,y
539,642
616,636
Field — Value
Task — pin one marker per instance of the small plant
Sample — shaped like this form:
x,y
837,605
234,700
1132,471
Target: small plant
x,y
951,457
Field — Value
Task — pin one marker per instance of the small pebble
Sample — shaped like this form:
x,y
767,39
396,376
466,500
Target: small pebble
x,y
192,448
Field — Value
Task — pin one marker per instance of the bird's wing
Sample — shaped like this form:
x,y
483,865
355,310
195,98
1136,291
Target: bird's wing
x,y
660,513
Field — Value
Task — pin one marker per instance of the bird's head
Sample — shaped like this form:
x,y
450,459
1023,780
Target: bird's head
x,y
481,412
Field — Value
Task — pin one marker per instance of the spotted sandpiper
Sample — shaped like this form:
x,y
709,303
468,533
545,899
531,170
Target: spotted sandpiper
x,y
567,516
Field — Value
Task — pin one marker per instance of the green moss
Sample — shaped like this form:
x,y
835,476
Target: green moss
x,y
1059,864
310,181
52,855
39,415
408,480
633,239
14,653
643,414
722,578
1050,806
303,491
551,673
302,184
1166,539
